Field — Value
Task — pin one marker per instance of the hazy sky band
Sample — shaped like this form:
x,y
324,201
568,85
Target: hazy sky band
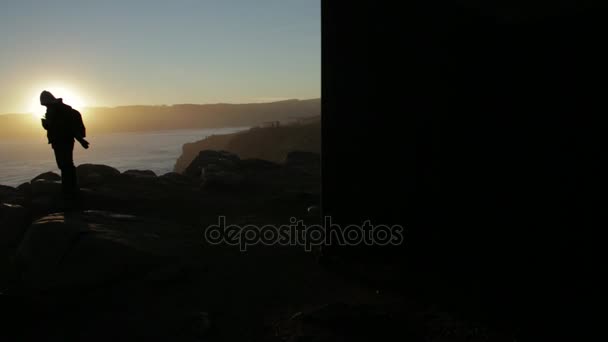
x,y
118,52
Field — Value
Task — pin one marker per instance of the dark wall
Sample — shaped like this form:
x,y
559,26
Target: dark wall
x,y
461,121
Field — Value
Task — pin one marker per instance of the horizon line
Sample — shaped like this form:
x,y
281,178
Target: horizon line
x,y
180,104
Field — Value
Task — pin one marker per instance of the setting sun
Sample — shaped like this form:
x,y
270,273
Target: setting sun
x,y
69,96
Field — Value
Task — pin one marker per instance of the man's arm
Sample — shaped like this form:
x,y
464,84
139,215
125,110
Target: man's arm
x,y
85,144
45,120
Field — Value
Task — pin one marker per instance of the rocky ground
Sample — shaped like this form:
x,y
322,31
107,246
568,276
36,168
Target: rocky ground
x,y
130,263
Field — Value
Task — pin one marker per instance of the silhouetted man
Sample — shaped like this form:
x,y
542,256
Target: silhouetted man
x,y
63,124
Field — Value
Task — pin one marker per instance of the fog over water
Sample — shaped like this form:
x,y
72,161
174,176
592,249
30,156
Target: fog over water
x,y
23,159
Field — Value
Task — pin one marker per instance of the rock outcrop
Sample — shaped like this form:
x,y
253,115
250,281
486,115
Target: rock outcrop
x,y
13,219
45,187
79,251
90,174
11,195
221,170
49,176
213,159
303,160
140,173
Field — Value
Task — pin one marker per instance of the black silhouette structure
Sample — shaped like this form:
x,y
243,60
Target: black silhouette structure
x,y
470,110
63,125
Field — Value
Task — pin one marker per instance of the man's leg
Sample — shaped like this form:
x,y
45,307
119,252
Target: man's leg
x,y
65,162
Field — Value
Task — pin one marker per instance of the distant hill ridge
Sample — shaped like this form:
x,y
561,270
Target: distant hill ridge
x,y
166,117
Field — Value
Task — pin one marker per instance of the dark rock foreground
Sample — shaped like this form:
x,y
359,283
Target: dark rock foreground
x,y
129,262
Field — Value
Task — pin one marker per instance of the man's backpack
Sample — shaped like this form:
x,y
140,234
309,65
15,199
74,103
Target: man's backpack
x,y
78,126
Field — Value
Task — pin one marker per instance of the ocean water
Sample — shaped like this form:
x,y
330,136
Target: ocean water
x,y
23,159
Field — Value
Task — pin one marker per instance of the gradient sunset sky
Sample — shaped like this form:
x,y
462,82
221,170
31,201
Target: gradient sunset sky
x,y
122,52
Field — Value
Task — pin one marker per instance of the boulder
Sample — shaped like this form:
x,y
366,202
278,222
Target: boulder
x,y
175,178
140,173
313,211
341,322
173,175
378,322
257,165
25,188
138,179
223,170
13,221
91,179
301,159
6,191
49,176
219,179
10,195
45,204
93,174
220,159
199,324
89,249
45,187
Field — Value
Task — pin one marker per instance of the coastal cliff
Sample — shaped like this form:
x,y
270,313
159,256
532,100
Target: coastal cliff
x,y
269,143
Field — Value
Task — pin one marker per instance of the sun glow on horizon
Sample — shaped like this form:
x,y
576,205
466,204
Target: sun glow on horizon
x,y
69,96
